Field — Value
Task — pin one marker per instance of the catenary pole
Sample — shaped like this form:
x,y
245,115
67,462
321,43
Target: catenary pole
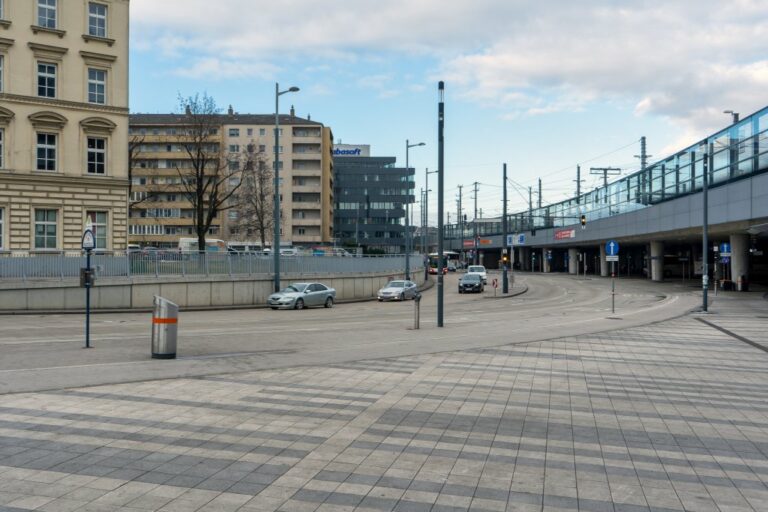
x,y
440,185
504,244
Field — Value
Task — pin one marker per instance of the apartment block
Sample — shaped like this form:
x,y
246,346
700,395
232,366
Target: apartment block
x,y
63,123
161,213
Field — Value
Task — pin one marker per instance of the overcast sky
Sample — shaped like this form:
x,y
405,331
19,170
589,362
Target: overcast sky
x,y
541,85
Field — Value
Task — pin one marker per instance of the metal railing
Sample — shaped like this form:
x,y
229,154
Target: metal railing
x,y
15,266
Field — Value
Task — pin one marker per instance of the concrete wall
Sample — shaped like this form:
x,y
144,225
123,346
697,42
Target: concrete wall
x,y
187,293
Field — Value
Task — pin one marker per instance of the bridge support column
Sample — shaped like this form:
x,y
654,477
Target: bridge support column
x,y
657,261
603,263
573,261
546,265
739,256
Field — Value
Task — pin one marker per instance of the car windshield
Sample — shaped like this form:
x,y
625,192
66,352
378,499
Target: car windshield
x,y
396,284
474,268
299,287
471,277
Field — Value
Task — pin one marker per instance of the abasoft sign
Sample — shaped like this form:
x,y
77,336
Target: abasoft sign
x,y
342,150
563,234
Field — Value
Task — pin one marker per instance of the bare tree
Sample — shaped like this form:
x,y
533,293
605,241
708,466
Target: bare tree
x,y
208,178
254,199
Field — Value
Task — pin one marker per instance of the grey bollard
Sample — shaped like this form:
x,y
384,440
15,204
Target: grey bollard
x,y
416,310
165,320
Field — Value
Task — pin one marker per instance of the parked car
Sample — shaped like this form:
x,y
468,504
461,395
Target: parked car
x,y
480,270
471,283
433,270
398,290
302,295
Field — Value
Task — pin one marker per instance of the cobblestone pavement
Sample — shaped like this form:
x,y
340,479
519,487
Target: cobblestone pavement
x,y
665,417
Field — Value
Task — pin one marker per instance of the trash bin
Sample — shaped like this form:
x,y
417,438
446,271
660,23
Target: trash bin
x,y
742,284
165,319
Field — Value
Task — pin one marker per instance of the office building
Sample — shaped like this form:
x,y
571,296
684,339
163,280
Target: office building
x,y
370,194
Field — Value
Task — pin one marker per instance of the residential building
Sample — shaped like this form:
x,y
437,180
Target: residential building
x,y
161,213
371,194
63,123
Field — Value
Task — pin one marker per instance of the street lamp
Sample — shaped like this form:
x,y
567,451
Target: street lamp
x,y
735,115
408,146
276,214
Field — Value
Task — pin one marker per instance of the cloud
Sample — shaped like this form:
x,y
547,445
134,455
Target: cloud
x,y
681,60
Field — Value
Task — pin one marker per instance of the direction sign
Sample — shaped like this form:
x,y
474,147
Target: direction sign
x,y
89,241
612,248
612,258
725,249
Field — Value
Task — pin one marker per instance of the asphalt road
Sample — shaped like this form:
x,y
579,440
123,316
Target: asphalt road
x,y
45,351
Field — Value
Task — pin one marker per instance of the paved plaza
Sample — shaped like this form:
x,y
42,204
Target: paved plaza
x,y
671,416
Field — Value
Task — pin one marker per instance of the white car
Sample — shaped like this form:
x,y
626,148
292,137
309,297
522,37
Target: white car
x,y
480,270
398,290
302,295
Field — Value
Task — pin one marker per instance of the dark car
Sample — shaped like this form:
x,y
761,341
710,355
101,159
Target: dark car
x,y
471,283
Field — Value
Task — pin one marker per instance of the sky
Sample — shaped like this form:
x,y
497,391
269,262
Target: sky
x,y
541,85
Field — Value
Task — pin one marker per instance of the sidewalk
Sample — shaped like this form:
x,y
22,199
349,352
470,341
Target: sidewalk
x,y
670,416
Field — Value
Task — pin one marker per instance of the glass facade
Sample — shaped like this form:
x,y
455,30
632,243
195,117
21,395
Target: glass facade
x,y
737,152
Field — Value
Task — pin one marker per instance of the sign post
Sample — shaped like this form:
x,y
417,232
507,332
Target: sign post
x,y
612,255
88,244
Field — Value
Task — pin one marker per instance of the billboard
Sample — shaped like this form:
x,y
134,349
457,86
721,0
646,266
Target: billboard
x,y
346,150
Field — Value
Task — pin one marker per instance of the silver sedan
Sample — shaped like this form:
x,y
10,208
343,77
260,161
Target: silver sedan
x,y
398,290
302,295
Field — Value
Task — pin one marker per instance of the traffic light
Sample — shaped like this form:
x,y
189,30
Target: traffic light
x,y
504,259
583,221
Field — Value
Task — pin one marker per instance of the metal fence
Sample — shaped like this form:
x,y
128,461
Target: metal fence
x,y
28,267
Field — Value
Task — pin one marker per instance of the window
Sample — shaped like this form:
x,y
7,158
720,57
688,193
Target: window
x,y
2,63
250,132
262,131
46,80
97,155
2,12
97,86
97,19
2,218
45,229
262,148
234,148
99,222
46,151
234,165
46,13
302,231
234,132
2,148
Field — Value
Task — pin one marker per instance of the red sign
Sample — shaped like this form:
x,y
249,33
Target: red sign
x,y
495,283
562,234
480,241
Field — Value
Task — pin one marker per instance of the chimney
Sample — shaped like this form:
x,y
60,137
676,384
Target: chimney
x,y
293,111
230,111
309,117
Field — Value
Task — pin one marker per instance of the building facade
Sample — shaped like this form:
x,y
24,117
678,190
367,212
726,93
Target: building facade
x,y
161,213
371,194
63,123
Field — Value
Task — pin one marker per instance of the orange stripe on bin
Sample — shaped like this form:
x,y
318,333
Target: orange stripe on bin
x,y
156,320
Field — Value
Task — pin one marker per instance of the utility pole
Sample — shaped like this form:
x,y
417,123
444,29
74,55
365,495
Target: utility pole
x,y
530,208
475,255
578,184
460,221
440,182
705,228
644,180
539,192
421,212
505,247
605,171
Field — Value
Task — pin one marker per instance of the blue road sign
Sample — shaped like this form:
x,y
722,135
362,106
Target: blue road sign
x,y
725,259
612,248
725,249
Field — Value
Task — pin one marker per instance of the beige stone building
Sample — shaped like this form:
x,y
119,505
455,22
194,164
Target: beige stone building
x,y
160,213
63,123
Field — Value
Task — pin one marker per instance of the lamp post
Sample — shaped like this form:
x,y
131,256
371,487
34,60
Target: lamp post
x,y
276,214
427,172
408,146
735,115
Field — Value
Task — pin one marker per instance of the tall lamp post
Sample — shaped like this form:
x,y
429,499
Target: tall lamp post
x,y
734,115
408,146
276,214
427,172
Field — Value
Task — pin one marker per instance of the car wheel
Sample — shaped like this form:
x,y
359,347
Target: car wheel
x,y
299,304
329,302
402,296
274,307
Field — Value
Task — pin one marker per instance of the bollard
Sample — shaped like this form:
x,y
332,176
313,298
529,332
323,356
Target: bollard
x,y
165,320
416,310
